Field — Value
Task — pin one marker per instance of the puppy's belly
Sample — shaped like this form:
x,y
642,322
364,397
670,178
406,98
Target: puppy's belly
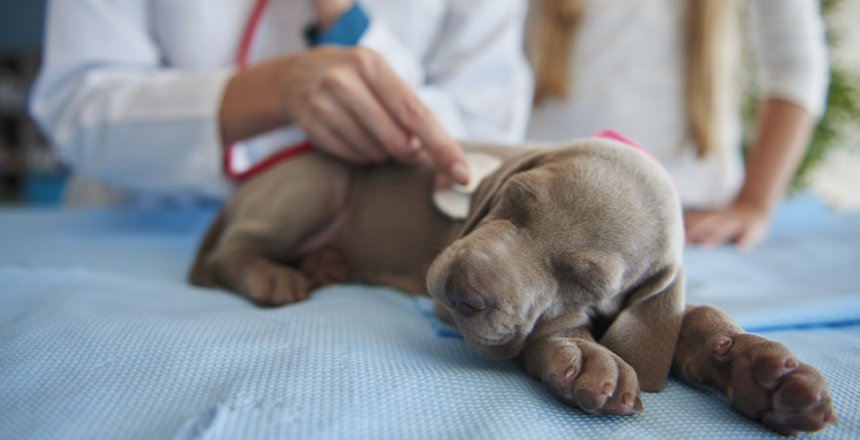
x,y
325,237
402,273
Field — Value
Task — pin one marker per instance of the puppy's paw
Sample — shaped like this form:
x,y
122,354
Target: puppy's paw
x,y
769,383
324,267
271,284
587,375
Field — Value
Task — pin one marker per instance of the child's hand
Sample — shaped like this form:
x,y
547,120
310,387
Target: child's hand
x,y
745,226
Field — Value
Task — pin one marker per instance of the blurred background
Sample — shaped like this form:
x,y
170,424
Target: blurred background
x,y
30,173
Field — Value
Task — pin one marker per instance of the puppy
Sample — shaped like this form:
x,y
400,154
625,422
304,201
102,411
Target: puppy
x,y
569,262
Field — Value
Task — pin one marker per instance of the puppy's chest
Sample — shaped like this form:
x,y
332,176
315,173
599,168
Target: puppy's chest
x,y
391,232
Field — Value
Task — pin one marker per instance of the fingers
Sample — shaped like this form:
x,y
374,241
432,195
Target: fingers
x,y
324,138
356,107
407,110
343,134
348,87
752,236
709,228
353,95
713,230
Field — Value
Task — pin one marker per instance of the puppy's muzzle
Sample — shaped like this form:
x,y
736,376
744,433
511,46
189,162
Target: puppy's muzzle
x,y
465,294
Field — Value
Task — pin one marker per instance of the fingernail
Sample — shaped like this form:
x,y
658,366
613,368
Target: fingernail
x,y
791,364
460,172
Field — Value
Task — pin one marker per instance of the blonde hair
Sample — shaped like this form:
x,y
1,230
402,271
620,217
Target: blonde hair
x,y
704,22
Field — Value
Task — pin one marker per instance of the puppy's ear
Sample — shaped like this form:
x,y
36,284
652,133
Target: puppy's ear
x,y
645,332
482,199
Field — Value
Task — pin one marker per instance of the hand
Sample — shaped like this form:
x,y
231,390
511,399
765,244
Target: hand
x,y
349,102
783,131
743,225
329,10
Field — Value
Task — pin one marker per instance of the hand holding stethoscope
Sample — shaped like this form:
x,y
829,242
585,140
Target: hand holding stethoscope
x,y
348,100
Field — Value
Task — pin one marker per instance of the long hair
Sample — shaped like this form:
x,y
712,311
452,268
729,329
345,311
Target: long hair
x,y
704,22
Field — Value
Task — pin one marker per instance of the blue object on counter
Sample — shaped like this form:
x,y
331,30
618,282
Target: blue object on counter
x,y
44,188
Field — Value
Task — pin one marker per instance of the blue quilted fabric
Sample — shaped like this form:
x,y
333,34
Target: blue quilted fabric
x,y
101,337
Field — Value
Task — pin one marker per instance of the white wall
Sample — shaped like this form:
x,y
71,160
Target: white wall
x,y
847,24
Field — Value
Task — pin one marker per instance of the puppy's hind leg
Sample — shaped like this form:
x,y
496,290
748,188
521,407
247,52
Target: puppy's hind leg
x,y
324,267
201,271
761,378
275,219
244,264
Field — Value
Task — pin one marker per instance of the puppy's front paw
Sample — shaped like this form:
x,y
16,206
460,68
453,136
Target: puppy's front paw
x,y
768,383
587,375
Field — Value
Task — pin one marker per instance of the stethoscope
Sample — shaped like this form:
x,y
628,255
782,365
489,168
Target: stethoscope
x,y
242,62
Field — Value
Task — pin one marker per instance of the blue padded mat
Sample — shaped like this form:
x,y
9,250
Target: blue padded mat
x,y
100,337
806,274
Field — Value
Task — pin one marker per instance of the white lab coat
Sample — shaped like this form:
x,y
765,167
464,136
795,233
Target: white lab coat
x,y
129,90
626,72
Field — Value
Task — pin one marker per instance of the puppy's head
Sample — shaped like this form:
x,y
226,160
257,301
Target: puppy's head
x,y
555,236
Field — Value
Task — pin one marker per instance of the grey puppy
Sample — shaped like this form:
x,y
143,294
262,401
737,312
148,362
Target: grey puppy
x,y
569,262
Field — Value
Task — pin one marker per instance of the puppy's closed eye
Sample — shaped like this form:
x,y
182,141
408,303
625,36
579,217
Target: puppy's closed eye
x,y
590,274
576,282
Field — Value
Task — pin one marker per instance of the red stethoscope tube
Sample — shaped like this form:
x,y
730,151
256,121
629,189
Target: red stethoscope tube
x,y
242,62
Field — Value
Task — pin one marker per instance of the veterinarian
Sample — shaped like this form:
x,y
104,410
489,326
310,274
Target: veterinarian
x,y
664,73
153,99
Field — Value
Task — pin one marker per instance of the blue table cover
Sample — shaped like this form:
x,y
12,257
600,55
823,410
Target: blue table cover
x,y
102,337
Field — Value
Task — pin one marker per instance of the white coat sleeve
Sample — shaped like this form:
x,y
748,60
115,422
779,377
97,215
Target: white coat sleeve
x,y
789,40
475,77
115,114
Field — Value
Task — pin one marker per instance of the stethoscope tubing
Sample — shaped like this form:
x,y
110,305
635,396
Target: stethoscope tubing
x,y
242,57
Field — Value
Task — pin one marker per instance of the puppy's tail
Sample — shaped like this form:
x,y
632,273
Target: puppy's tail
x,y
201,271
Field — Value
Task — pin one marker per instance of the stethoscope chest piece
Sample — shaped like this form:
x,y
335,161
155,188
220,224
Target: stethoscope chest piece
x,y
453,201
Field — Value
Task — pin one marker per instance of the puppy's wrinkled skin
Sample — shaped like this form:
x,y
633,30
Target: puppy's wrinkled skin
x,y
569,262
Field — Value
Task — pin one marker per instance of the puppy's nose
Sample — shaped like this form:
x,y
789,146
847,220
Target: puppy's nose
x,y
465,299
